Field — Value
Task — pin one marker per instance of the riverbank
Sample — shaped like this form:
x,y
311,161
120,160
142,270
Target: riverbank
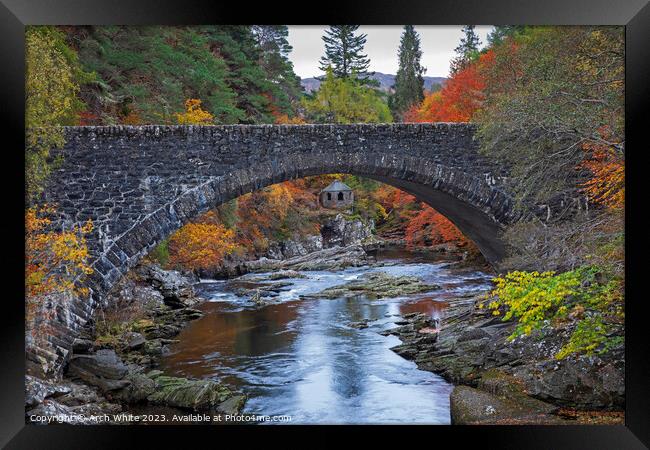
x,y
112,375
518,382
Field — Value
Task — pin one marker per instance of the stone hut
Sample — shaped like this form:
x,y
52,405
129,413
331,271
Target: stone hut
x,y
336,195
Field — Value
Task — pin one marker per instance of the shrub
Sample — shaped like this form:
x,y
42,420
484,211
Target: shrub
x,y
583,295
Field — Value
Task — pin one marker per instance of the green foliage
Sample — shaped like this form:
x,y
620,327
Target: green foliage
x,y
228,213
160,253
409,84
362,184
147,73
346,100
344,52
585,295
53,76
150,72
274,60
500,32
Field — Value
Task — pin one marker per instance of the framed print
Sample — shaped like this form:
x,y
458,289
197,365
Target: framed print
x,y
241,219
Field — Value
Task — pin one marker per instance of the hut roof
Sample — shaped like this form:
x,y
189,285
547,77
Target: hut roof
x,y
337,186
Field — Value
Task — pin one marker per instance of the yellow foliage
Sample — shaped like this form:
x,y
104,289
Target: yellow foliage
x,y
193,114
51,90
279,198
535,299
55,261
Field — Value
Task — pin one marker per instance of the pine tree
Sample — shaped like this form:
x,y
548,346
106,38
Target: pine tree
x,y
501,32
409,84
274,60
468,47
343,52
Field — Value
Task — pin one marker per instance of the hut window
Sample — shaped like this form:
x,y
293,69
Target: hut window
x,y
329,196
340,195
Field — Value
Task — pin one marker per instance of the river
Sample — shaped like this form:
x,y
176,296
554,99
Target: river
x,y
302,358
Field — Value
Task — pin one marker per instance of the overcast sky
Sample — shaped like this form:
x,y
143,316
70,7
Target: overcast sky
x,y
437,43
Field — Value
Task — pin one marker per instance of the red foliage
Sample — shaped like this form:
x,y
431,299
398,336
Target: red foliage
x,y
429,227
461,96
87,118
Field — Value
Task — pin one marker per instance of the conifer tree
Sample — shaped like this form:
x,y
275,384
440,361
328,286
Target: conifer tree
x,y
409,84
274,60
468,47
344,52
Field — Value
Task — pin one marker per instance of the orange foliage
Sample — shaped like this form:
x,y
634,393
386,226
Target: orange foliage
x,y
87,118
284,119
429,227
279,117
461,96
132,118
54,261
200,245
607,186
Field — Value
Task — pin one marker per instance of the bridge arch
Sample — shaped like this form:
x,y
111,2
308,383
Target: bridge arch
x,y
139,184
476,208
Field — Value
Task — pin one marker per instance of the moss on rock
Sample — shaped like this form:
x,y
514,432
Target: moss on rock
x,y
378,285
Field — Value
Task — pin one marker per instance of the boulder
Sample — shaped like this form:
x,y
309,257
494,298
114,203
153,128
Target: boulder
x,y
103,369
177,290
139,388
134,340
472,333
37,390
80,346
579,382
197,395
470,406
340,232
291,248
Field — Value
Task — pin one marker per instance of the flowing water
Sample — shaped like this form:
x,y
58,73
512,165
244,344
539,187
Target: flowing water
x,y
302,358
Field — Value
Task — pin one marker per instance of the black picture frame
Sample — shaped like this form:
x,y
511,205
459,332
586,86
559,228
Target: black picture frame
x,y
16,14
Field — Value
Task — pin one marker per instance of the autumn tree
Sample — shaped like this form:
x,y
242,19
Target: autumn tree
x,y
52,82
194,114
344,52
459,100
200,245
429,227
346,100
553,95
409,84
56,265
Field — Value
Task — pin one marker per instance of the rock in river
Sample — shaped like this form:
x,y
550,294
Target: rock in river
x,y
378,285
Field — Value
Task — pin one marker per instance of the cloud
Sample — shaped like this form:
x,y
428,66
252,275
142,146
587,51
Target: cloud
x,y
438,43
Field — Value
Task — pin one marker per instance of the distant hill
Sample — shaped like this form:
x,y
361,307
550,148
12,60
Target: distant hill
x,y
386,82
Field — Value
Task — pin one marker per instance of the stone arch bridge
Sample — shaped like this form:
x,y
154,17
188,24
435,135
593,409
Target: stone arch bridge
x,y
139,184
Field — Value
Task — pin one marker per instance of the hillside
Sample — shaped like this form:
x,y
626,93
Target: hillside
x,y
386,81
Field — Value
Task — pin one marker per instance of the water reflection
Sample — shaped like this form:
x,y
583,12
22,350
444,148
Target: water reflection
x,y
302,358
